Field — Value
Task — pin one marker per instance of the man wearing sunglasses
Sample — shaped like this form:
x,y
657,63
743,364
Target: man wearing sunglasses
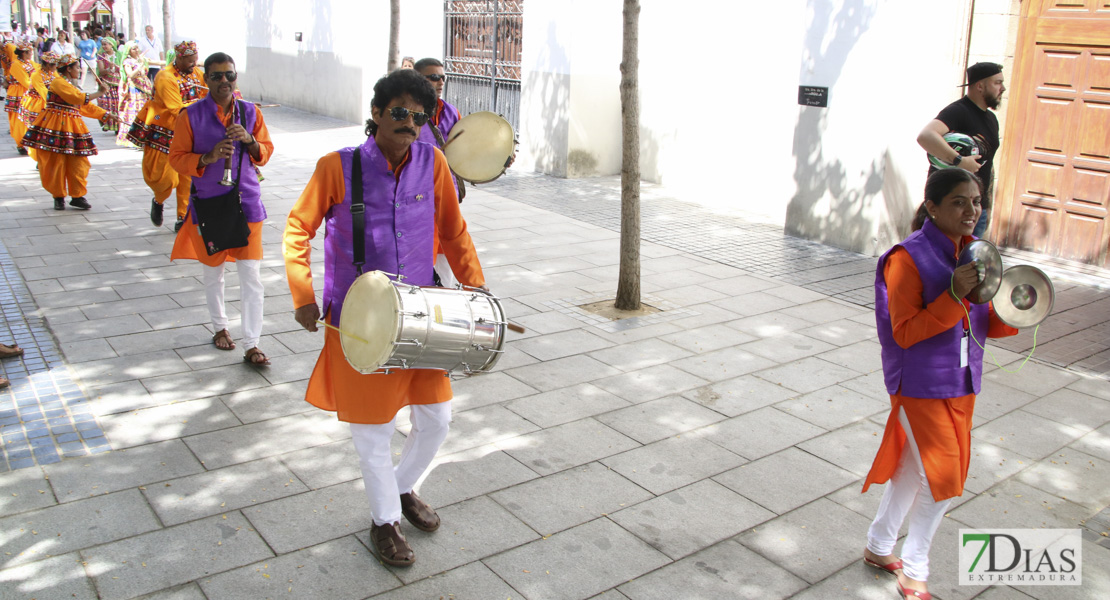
x,y
175,87
410,203
208,133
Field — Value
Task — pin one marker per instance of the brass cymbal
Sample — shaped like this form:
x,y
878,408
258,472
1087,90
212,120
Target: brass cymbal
x,y
984,253
1025,297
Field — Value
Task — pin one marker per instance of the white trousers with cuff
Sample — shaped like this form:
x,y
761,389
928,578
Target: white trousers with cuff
x,y
384,482
908,493
251,296
443,269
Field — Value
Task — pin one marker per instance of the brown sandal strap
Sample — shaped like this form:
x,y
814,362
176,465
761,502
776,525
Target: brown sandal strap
x,y
223,334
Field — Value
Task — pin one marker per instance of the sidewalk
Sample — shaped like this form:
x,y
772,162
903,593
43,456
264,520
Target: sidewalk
x,y
713,450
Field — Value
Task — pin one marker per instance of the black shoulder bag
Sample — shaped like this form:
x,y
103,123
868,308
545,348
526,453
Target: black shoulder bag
x,y
459,184
220,219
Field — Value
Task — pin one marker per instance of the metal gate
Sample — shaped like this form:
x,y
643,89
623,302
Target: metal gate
x,y
482,44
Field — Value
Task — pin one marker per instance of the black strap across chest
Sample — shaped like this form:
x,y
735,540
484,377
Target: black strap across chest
x,y
358,211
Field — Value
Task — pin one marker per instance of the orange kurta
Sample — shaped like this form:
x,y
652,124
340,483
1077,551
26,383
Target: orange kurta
x,y
173,91
19,75
183,160
335,386
941,426
62,139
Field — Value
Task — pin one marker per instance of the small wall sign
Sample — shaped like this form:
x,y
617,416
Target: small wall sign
x,y
809,95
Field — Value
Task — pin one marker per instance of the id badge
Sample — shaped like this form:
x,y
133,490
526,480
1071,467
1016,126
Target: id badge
x,y
963,351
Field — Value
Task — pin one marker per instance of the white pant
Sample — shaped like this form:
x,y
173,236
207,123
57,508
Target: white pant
x,y
251,296
443,269
384,482
908,492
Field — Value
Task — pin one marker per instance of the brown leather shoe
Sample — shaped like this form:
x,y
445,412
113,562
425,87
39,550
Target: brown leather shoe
x,y
390,544
422,516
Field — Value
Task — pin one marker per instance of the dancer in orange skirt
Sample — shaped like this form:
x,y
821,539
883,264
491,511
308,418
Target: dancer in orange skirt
x,y
19,80
35,99
62,138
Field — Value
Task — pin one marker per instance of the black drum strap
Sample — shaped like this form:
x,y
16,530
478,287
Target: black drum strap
x,y
358,211
459,185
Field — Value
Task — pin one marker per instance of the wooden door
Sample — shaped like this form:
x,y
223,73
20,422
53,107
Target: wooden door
x,y
1054,176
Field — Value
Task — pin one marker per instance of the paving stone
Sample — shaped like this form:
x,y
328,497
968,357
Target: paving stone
x,y
863,357
759,433
851,447
469,582
740,285
188,591
58,577
23,490
840,333
995,400
991,465
1013,502
171,421
808,374
481,426
1027,434
562,372
564,405
673,463
787,347
753,303
707,339
464,475
576,563
691,518
768,325
1072,475
640,355
486,389
101,310
256,440
562,344
86,350
338,569
191,385
704,314
120,470
270,402
222,490
548,322
1096,443
1093,386
569,498
649,384
312,517
1034,378
100,328
513,358
325,465
152,341
565,446
1072,408
141,564
762,481
114,370
726,570
120,397
158,288
834,407
689,294
853,581
737,396
56,530
822,311
657,419
785,540
79,298
723,364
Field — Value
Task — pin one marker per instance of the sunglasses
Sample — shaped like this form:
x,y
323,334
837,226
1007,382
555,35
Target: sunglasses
x,y
400,113
218,75
436,77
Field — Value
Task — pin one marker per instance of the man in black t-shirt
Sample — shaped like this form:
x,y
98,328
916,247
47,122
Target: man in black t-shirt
x,y
971,115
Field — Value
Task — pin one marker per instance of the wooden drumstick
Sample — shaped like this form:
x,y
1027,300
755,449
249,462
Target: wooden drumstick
x,y
515,327
456,136
350,335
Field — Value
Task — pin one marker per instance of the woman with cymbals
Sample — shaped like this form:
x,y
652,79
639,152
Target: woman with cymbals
x,y
933,366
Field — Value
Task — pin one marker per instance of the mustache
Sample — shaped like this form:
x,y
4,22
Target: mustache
x,y
405,130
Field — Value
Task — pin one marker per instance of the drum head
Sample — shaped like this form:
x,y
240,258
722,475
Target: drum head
x,y
370,313
484,144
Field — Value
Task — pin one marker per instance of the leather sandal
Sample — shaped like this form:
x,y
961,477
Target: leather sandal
x,y
223,335
4,382
256,358
907,593
422,516
390,544
7,351
891,568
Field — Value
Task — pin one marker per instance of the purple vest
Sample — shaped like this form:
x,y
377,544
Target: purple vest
x,y
930,368
207,131
447,119
400,222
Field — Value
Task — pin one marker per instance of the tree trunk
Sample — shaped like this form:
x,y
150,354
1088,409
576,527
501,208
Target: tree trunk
x,y
394,36
131,33
167,27
628,280
54,24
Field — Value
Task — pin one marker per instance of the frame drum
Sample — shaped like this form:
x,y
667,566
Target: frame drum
x,y
479,147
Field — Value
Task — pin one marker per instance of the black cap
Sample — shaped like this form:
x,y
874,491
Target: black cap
x,y
980,71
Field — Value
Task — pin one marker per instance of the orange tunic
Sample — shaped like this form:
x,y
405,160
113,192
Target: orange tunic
x,y
19,76
153,130
941,426
182,159
335,386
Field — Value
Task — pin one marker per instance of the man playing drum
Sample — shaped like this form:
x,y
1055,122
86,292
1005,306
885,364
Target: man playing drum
x,y
410,203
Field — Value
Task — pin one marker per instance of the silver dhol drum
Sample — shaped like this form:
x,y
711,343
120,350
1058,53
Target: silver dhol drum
x,y
389,325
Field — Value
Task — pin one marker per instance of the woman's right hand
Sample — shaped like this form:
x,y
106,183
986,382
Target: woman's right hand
x,y
964,279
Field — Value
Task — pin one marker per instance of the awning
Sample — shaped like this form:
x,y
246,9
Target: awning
x,y
86,10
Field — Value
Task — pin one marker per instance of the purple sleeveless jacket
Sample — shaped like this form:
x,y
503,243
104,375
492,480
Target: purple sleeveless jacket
x,y
207,131
400,222
930,368
447,120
